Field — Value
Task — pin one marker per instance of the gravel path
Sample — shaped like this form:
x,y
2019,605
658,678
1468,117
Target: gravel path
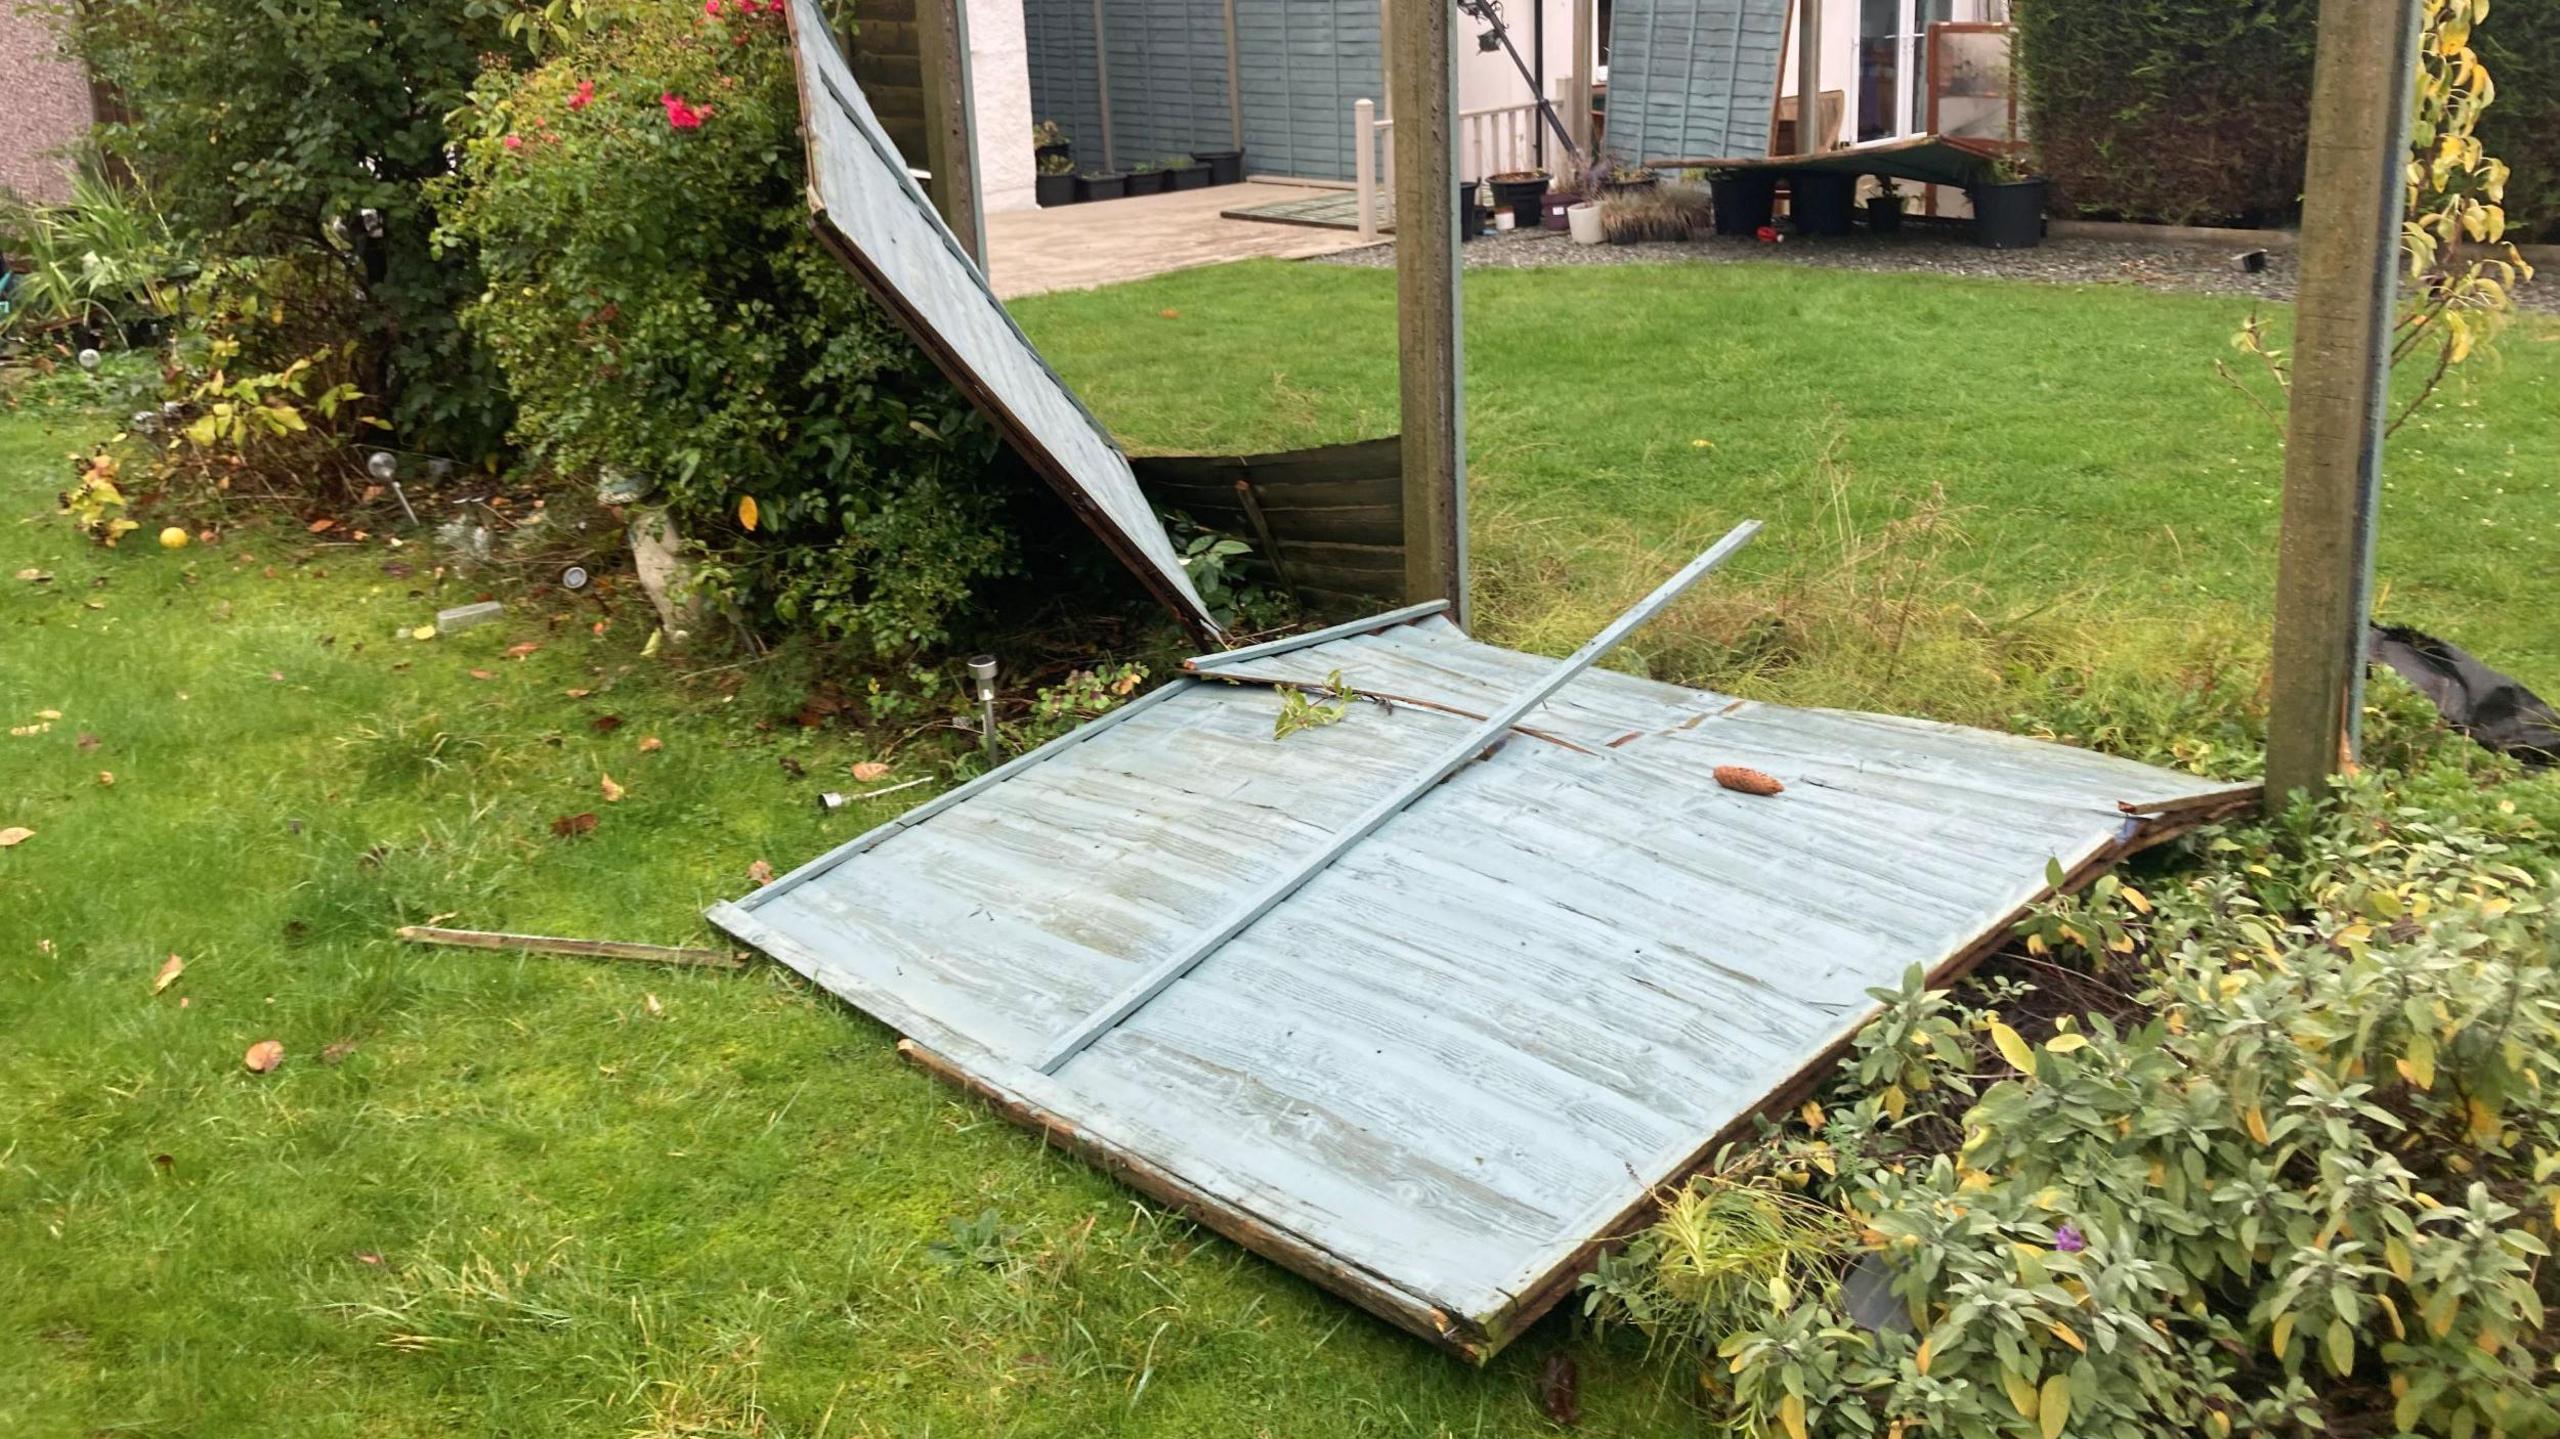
x,y
2157,265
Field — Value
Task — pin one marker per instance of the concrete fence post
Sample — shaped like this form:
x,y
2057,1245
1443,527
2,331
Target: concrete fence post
x,y
1364,164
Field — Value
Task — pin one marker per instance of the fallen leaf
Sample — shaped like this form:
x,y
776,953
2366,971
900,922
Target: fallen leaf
x,y
48,714
1560,1390
870,770
14,836
1747,781
652,745
170,969
605,724
570,826
1168,314
484,674
36,577
321,526
612,792
577,694
372,493
656,1010
760,872
517,652
337,1051
275,677
791,767
423,632
106,779
165,1163
367,1256
263,1056
86,741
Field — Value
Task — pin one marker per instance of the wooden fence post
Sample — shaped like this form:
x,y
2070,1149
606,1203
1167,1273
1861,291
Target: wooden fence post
x,y
951,130
1808,77
2353,204
1422,85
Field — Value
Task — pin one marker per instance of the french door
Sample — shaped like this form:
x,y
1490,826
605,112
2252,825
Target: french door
x,y
1893,65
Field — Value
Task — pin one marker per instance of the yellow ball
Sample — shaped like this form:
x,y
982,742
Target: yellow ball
x,y
173,538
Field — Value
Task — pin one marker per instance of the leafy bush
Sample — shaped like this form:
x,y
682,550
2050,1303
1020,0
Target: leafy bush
x,y
306,133
2197,111
101,263
2184,111
2520,44
2309,1168
659,305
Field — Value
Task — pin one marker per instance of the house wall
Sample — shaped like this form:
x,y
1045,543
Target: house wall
x,y
1000,96
47,107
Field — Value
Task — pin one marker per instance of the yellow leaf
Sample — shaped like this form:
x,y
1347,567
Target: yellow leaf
x,y
1811,1114
2281,1339
2396,1254
1791,1415
2068,1335
15,835
2022,1392
423,632
2013,1049
2053,1408
2066,1043
2256,1119
1895,1101
1928,1351
747,512
612,792
170,969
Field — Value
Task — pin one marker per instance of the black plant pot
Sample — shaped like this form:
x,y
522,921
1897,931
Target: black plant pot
x,y
1226,167
1821,203
1884,215
1068,152
1110,186
1189,177
1147,182
2009,215
1054,190
1745,202
1523,198
1470,214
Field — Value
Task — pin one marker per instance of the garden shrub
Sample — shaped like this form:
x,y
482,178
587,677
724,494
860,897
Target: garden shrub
x,y
307,133
2307,1168
660,306
2190,112
2520,43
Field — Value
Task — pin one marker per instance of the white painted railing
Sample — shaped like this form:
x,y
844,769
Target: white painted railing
x,y
1491,141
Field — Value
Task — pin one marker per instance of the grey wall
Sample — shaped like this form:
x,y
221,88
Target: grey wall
x,y
1303,63
1693,79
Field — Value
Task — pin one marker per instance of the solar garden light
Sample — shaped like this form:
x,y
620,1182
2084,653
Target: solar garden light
x,y
384,466
983,670
90,360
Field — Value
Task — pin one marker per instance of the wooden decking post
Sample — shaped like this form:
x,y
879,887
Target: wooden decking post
x,y
951,130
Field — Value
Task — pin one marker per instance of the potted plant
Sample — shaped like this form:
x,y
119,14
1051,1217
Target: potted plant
x,y
1226,167
1522,192
1102,185
2008,208
1583,219
1744,200
1185,172
1051,138
1146,178
1615,178
1056,183
1470,210
1554,211
1884,207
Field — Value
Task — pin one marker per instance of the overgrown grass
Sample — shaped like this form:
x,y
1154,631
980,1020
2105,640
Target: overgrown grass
x,y
548,1197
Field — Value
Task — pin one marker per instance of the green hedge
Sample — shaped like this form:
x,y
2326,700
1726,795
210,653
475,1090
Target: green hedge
x,y
2521,47
2195,112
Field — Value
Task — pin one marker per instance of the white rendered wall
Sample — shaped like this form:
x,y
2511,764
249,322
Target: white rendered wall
x,y
1000,92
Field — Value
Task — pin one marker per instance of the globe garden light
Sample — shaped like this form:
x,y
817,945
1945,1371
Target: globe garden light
x,y
90,360
383,466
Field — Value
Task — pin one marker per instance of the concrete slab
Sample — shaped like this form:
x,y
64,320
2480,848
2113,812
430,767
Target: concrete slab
x,y
1077,247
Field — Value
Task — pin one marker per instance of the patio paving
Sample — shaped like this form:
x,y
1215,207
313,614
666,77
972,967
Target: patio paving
x,y
1323,209
1077,247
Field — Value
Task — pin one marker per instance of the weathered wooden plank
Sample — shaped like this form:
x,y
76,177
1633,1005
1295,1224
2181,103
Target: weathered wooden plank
x,y
1260,902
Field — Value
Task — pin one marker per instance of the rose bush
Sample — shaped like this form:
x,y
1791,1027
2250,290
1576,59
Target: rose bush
x,y
659,305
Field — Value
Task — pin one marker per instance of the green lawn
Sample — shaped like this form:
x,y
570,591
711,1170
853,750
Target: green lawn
x,y
2090,453
538,1196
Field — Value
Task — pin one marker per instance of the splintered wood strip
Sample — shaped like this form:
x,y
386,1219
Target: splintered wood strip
x,y
584,948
